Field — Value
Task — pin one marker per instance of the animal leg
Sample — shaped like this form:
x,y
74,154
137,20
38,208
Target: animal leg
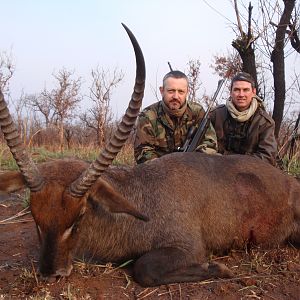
x,y
171,265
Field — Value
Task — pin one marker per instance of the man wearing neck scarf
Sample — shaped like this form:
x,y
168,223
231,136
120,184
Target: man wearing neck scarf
x,y
163,126
242,125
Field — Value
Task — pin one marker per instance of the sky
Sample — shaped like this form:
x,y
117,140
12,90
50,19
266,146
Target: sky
x,y
43,37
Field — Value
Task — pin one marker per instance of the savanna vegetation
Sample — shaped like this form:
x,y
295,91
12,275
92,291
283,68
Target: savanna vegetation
x,y
267,36
54,123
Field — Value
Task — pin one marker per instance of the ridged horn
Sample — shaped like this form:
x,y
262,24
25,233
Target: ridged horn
x,y
82,184
14,142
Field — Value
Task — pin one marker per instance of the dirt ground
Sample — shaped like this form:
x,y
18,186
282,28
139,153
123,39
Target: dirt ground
x,y
260,274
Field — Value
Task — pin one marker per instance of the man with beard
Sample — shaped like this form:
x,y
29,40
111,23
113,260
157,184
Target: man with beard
x,y
162,127
242,125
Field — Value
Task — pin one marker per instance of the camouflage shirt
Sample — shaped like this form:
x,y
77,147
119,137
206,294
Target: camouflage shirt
x,y
158,133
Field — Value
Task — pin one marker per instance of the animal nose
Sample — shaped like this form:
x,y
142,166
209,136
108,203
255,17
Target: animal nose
x,y
62,272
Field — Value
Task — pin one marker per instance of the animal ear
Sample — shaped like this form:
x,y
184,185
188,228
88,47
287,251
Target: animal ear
x,y
11,181
107,196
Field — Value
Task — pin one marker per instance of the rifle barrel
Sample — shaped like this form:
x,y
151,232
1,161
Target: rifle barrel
x,y
171,69
192,143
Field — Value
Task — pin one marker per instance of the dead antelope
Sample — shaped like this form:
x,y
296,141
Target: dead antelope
x,y
193,204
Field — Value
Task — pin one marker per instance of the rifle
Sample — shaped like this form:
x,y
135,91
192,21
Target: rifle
x,y
170,66
195,136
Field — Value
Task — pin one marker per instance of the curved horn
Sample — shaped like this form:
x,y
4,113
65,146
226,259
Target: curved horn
x,y
14,142
87,178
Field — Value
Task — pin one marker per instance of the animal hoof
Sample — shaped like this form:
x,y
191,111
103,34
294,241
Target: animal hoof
x,y
220,270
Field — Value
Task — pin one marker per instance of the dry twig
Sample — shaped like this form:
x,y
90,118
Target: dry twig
x,y
13,218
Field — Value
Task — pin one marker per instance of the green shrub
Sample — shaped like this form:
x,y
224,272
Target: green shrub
x,y
292,166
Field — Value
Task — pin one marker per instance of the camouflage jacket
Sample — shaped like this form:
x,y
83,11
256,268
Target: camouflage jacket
x,y
158,134
254,137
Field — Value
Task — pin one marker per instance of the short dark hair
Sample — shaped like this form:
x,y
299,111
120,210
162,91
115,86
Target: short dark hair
x,y
243,76
175,74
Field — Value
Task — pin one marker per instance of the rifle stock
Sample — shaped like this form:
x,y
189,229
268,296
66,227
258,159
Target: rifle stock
x,y
198,137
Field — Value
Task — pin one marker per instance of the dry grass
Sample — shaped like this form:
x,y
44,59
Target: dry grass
x,y
125,156
18,217
257,273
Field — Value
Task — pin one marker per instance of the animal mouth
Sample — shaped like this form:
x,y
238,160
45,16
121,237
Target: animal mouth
x,y
60,273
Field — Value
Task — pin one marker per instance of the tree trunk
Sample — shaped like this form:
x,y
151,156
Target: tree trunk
x,y
244,45
277,58
247,55
61,136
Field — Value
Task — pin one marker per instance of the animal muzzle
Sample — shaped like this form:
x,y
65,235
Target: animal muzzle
x,y
51,276
55,264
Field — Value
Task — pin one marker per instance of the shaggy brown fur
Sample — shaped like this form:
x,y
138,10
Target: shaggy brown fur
x,y
196,204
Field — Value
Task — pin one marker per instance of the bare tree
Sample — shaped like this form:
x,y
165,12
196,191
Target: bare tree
x,y
99,115
193,74
155,89
64,99
293,34
226,66
7,69
69,133
23,117
6,72
271,37
277,58
42,104
244,43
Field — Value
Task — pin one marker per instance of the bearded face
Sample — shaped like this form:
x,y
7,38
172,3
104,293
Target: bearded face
x,y
174,92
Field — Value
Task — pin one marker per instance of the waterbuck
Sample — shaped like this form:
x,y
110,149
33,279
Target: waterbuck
x,y
168,213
